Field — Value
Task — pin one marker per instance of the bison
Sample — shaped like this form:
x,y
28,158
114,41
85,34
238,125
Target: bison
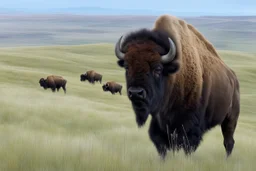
x,y
91,76
113,87
174,74
53,82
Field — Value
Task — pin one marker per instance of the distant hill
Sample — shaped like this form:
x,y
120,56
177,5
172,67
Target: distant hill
x,y
229,33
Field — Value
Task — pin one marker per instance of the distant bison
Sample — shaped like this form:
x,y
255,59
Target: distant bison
x,y
113,87
91,76
53,82
174,74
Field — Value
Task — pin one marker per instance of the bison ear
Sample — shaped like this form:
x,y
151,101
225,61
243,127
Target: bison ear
x,y
171,68
120,63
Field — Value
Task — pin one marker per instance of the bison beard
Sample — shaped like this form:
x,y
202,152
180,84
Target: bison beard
x,y
142,112
186,93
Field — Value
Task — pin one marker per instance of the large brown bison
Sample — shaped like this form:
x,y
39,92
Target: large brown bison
x,y
53,82
113,87
91,76
175,74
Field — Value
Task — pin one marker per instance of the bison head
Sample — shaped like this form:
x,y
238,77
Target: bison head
x,y
43,83
147,57
83,77
105,87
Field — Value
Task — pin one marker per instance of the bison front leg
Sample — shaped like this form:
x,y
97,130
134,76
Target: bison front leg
x,y
159,138
90,80
58,88
190,135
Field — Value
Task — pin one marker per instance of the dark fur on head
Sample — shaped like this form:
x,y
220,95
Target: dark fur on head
x,y
105,87
42,83
83,77
143,50
143,35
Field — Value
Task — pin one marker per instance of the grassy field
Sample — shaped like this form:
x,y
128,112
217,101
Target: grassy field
x,y
88,129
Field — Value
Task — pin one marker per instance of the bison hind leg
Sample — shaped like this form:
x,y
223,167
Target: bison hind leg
x,y
228,128
64,89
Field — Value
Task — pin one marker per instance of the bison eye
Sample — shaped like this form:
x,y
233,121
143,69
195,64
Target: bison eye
x,y
157,71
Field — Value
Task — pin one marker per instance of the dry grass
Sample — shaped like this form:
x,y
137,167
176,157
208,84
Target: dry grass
x,y
88,129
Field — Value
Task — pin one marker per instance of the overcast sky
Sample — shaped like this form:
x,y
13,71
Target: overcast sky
x,y
217,6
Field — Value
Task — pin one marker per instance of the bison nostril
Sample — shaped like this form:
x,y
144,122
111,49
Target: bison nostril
x,y
130,93
140,93
136,92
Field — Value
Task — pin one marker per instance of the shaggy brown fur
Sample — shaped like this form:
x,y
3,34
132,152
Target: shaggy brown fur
x,y
91,76
53,82
193,93
190,45
113,87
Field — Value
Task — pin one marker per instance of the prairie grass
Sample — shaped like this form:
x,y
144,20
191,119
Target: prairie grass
x,y
88,129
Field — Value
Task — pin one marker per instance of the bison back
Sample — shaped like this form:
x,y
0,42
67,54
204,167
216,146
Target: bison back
x,y
56,80
90,74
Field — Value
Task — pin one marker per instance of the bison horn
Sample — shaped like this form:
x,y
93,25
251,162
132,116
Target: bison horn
x,y
171,54
118,47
